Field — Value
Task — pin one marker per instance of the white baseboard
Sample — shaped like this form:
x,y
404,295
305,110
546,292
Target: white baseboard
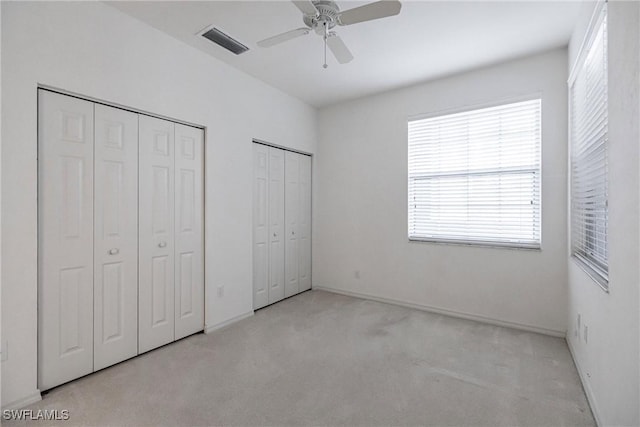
x,y
25,401
585,385
211,328
447,312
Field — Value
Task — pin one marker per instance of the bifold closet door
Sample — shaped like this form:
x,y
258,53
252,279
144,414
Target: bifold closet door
x,y
156,309
120,235
268,225
292,217
281,224
65,247
115,321
304,223
260,226
276,224
189,231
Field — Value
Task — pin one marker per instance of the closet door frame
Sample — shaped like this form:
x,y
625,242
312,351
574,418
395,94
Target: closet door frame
x,y
310,227
43,88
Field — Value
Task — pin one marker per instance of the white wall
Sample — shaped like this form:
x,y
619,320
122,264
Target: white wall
x,y
93,49
608,361
361,204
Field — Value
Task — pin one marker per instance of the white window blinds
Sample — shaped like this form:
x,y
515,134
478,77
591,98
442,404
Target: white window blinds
x,y
589,182
474,177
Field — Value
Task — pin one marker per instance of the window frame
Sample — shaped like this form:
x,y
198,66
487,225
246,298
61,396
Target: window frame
x,y
591,267
537,246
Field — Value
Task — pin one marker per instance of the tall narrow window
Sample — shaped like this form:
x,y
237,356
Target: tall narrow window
x,y
589,182
474,176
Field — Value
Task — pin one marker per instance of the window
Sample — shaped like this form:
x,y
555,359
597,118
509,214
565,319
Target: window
x,y
474,177
588,126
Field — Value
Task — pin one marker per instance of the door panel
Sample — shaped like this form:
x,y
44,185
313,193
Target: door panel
x,y
115,236
156,233
65,238
260,226
189,231
72,195
276,224
292,206
113,302
70,310
304,242
186,306
159,291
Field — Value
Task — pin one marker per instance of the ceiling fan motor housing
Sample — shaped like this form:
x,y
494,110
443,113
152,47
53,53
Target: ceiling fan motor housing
x,y
327,15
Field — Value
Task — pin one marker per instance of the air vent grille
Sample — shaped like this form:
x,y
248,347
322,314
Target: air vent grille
x,y
220,38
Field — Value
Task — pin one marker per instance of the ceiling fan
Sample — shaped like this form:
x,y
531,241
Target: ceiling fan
x,y
322,16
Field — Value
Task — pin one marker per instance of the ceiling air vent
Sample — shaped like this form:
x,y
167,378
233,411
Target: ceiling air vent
x,y
220,38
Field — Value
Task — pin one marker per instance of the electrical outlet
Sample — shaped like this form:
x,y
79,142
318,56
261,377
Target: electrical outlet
x,y
356,274
220,291
5,350
586,334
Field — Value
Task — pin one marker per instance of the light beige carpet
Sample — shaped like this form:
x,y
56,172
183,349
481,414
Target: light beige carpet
x,y
325,359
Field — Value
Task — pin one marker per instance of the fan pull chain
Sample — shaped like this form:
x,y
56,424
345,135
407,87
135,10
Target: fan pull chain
x,y
326,30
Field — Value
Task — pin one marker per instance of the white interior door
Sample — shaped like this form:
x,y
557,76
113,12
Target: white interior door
x,y
291,214
276,224
65,233
260,226
115,322
156,309
304,221
189,231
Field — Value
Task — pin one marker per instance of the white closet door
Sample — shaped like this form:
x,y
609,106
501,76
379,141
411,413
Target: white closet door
x,y
291,214
260,226
304,220
276,225
156,312
115,323
65,247
189,229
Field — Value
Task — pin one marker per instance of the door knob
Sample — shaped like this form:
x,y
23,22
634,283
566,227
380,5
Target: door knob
x,y
162,244
114,251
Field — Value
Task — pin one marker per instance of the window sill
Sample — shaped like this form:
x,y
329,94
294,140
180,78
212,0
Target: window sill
x,y
594,275
489,245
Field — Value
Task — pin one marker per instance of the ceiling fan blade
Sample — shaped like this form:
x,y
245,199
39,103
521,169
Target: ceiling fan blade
x,y
339,49
305,7
280,38
368,12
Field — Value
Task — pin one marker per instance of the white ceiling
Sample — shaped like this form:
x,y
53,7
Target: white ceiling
x,y
427,40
